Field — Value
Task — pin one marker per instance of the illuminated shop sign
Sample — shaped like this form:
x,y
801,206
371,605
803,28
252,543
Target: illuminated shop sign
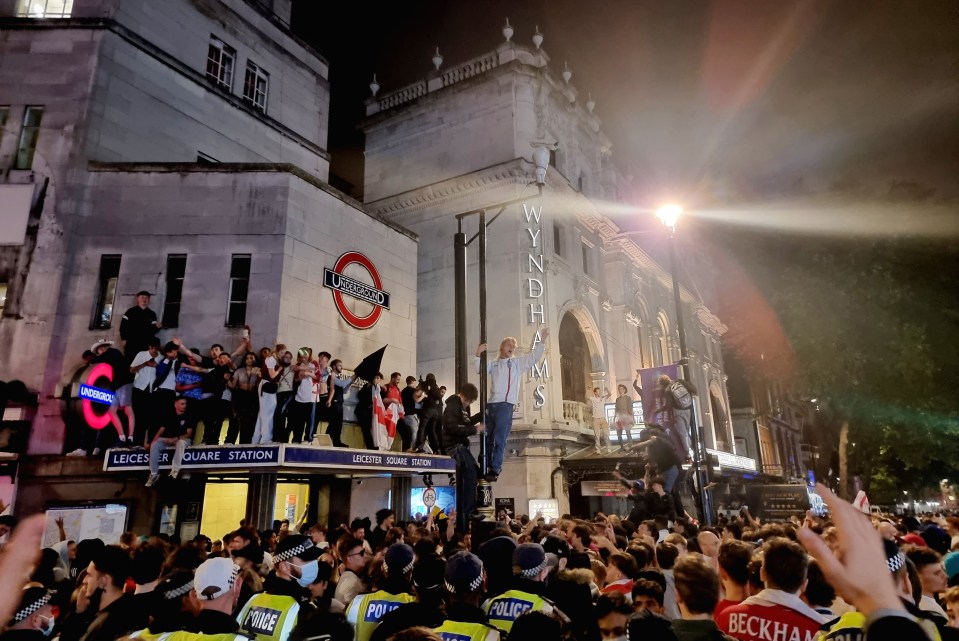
x,y
366,459
341,284
732,460
198,457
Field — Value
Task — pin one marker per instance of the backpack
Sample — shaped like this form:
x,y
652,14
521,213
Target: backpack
x,y
682,399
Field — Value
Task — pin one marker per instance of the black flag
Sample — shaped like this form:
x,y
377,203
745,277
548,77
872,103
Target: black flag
x,y
370,365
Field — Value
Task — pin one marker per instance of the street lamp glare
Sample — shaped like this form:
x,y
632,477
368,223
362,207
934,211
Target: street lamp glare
x,y
669,215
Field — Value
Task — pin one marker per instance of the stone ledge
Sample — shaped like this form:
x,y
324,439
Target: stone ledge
x,y
237,168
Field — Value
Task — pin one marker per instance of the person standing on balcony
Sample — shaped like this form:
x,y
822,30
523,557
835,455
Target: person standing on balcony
x,y
600,424
624,415
505,374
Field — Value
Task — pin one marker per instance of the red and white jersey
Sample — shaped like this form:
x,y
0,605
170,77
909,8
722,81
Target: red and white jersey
x,y
771,615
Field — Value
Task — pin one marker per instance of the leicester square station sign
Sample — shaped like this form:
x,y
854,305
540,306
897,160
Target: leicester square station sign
x,y
342,284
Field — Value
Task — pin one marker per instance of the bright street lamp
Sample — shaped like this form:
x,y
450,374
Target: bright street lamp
x,y
669,215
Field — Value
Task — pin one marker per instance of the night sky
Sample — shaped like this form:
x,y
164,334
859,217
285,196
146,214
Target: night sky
x,y
721,101
786,127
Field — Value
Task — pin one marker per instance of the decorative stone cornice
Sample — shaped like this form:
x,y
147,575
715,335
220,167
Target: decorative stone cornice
x,y
508,53
610,233
516,173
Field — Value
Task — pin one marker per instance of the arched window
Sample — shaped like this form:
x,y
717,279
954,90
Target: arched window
x,y
575,360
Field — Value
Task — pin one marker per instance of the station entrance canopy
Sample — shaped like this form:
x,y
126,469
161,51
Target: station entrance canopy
x,y
285,458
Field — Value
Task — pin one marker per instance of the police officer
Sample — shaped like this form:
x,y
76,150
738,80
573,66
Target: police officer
x,y
530,569
428,608
34,619
217,588
465,583
272,614
366,610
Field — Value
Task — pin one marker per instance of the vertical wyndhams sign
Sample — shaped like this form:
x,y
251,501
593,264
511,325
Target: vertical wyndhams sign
x,y
534,292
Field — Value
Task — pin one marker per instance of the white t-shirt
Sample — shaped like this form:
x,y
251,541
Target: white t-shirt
x,y
144,378
304,388
599,407
270,363
169,383
928,604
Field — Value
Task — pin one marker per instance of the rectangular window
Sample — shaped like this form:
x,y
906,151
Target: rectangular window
x,y
256,85
175,270
44,8
219,63
28,137
3,297
585,259
558,239
106,291
4,112
239,290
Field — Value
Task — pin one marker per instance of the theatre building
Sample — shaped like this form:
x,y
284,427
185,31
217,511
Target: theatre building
x,y
462,139
178,147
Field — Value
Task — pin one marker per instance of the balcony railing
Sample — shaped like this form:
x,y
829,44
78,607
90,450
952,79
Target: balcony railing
x,y
575,413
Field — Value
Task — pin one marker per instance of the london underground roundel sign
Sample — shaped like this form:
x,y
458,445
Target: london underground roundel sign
x,y
370,293
96,396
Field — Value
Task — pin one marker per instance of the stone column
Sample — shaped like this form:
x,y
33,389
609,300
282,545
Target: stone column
x,y
261,500
401,497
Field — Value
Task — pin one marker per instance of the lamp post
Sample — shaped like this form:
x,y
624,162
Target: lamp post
x,y
669,215
484,491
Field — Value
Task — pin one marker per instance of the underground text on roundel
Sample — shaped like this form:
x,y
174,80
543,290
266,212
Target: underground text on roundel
x,y
356,289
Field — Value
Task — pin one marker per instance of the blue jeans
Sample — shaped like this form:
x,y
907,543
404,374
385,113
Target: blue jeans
x,y
159,447
499,422
669,478
466,479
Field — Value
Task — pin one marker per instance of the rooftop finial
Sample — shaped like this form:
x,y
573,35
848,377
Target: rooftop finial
x,y
374,86
437,59
507,31
590,104
537,37
567,74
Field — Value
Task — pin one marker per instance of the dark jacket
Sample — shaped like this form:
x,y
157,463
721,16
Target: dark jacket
x,y
409,403
657,505
116,620
894,629
458,425
213,622
137,328
430,615
699,631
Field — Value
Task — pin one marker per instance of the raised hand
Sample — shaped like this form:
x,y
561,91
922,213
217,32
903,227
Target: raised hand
x,y
858,569
17,559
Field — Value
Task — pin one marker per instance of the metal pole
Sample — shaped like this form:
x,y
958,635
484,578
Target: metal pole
x,y
684,369
484,490
459,288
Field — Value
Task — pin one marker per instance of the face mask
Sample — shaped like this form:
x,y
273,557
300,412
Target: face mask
x,y
308,573
48,625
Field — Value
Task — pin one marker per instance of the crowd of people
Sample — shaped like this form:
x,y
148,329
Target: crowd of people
x,y
604,579
163,393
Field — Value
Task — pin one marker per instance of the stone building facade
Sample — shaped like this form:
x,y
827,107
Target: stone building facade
x,y
174,147
462,139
